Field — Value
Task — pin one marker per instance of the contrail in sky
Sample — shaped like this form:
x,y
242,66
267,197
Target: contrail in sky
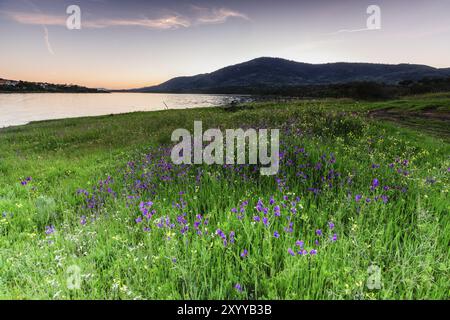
x,y
46,35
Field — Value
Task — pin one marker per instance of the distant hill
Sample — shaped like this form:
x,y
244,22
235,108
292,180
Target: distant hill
x,y
14,86
269,73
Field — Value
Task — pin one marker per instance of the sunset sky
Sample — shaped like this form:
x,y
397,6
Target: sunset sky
x,y
129,44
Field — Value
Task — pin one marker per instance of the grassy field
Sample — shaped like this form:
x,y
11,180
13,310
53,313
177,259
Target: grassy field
x,y
359,209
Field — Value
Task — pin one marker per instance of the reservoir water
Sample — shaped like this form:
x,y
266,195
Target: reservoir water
x,y
18,109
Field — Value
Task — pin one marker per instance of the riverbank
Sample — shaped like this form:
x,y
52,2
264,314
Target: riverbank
x,y
359,208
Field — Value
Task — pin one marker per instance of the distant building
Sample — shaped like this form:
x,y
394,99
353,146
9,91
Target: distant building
x,y
4,82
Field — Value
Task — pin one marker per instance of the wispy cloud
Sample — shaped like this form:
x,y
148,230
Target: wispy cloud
x,y
171,21
35,18
47,41
350,31
216,16
167,22
37,11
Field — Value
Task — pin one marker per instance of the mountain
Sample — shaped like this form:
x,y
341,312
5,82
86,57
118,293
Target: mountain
x,y
275,73
14,86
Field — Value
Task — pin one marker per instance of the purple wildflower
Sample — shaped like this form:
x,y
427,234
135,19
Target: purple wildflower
x,y
221,234
259,205
300,244
26,181
49,230
277,210
232,234
271,201
184,229
375,183
289,229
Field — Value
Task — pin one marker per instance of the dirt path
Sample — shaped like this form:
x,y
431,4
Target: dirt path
x,y
429,120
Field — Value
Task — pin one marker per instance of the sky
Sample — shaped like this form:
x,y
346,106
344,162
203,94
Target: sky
x,y
132,44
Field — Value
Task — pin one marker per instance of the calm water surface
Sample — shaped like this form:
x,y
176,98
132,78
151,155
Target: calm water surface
x,y
18,109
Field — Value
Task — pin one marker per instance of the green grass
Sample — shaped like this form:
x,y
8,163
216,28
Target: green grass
x,y
407,237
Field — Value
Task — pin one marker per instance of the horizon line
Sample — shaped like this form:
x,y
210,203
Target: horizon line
x,y
125,87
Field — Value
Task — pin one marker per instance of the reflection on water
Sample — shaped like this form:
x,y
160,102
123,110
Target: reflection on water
x,y
17,109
